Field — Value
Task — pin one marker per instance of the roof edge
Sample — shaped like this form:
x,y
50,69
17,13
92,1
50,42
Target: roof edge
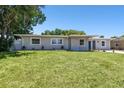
x,y
23,35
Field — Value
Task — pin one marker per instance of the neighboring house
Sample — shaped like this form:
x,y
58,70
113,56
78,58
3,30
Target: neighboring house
x,y
101,43
71,42
117,43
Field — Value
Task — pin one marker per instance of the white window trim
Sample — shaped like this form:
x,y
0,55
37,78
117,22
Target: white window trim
x,y
57,41
35,38
105,43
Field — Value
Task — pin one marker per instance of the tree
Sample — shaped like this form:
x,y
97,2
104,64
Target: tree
x,y
47,32
114,37
18,19
63,32
101,36
75,32
122,36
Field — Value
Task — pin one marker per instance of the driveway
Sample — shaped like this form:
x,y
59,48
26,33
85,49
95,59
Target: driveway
x,y
116,51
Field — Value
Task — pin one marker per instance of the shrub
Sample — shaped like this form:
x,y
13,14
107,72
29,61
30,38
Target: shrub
x,y
42,47
62,47
5,44
23,47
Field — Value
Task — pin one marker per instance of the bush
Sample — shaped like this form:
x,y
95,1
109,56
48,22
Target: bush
x,y
5,44
42,47
23,47
62,47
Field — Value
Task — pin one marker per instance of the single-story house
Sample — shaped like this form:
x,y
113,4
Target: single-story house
x,y
71,42
117,43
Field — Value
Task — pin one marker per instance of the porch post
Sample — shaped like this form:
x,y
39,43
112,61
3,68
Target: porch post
x,y
91,45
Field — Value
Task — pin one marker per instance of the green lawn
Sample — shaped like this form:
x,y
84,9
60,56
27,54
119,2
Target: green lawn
x,y
48,69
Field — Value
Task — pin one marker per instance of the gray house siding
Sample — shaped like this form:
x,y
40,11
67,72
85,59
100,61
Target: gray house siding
x,y
17,45
44,41
69,42
99,44
26,41
75,44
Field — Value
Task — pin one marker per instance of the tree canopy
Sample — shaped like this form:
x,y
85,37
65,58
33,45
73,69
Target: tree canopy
x,y
102,36
63,32
114,36
122,36
15,19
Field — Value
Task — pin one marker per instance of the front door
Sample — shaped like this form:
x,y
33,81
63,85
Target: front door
x,y
89,45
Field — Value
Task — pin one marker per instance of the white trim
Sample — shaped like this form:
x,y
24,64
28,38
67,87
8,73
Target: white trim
x,y
57,41
35,38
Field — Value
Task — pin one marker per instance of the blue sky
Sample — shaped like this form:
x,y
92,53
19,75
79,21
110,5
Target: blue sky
x,y
94,20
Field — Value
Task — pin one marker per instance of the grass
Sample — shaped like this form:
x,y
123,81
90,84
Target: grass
x,y
64,69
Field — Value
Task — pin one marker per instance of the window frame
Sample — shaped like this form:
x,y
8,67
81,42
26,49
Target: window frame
x,y
57,41
36,38
80,42
52,41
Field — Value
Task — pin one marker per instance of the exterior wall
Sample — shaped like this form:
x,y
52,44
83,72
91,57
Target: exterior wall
x,y
26,41
99,44
75,44
44,41
120,43
71,43
17,45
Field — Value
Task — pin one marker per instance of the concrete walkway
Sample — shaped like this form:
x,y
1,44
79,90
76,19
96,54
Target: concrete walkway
x,y
116,51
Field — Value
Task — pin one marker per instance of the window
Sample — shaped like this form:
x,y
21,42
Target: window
x,y
81,42
35,41
54,41
57,41
103,43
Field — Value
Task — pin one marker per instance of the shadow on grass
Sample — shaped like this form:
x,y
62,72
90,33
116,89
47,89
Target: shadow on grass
x,y
4,55
80,51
